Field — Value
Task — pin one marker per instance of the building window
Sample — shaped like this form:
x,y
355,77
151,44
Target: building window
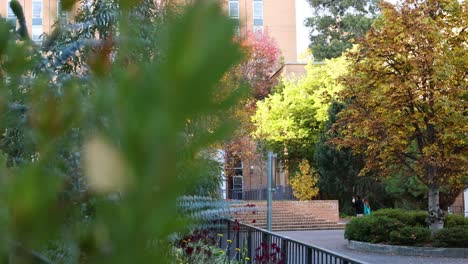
x,y
234,14
237,188
238,166
62,15
11,18
234,9
37,20
258,15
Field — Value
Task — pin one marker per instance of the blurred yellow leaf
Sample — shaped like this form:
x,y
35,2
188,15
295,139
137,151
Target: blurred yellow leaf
x,y
105,168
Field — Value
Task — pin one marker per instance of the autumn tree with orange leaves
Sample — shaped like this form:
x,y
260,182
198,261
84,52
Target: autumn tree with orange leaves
x,y
261,60
406,95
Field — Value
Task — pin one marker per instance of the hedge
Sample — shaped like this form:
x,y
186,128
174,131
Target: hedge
x,y
373,229
456,220
403,227
410,235
451,237
407,217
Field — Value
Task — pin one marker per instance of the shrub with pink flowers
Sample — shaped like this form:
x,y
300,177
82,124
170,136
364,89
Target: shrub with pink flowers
x,y
202,247
269,254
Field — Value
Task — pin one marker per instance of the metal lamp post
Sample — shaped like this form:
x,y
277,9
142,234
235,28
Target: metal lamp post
x,y
271,158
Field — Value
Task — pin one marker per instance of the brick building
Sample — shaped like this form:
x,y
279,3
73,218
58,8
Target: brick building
x,y
460,205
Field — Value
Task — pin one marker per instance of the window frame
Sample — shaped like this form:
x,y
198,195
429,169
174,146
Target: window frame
x,y
230,10
257,15
37,29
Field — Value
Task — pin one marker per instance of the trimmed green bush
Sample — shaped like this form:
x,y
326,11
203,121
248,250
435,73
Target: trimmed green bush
x,y
419,217
403,227
456,237
456,220
359,229
410,235
374,229
407,217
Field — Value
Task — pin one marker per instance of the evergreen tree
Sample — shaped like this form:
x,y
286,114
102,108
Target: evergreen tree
x,y
335,23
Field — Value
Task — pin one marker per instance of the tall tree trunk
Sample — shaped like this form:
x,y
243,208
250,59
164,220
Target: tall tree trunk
x,y
436,215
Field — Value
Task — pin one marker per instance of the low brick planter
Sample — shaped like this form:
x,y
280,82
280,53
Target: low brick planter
x,y
409,251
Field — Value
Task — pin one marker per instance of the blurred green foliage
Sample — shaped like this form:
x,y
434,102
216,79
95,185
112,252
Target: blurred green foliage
x,y
94,132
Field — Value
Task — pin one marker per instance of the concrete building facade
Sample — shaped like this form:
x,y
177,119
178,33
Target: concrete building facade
x,y
248,176
277,17
40,15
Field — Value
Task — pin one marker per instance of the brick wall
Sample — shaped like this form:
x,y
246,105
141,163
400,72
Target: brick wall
x,y
458,204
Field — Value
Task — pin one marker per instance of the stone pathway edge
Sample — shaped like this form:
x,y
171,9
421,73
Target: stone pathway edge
x,y
408,251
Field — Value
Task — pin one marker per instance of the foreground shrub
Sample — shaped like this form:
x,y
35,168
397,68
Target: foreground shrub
x,y
456,220
410,235
87,137
374,229
410,218
456,237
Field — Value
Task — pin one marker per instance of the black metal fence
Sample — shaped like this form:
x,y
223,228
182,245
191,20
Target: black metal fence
x,y
261,246
278,194
456,210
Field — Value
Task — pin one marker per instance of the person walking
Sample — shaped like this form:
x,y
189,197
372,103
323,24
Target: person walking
x,y
358,205
367,208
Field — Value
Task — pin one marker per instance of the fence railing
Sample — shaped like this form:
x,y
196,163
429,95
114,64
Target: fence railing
x,y
280,193
262,245
456,210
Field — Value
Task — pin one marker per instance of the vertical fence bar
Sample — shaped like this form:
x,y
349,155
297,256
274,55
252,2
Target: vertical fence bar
x,y
249,244
265,238
284,250
238,242
229,238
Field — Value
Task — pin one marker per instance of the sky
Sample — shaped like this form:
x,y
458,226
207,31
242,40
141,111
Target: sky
x,y
303,10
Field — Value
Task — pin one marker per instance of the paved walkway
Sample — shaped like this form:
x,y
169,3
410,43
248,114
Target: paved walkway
x,y
334,240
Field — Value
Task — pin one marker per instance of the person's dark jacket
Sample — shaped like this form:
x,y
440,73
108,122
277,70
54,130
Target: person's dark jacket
x,y
359,205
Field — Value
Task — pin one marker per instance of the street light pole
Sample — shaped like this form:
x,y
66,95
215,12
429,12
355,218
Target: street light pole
x,y
269,198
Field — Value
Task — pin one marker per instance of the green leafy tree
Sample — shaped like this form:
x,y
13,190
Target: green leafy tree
x,y
406,91
290,120
336,23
